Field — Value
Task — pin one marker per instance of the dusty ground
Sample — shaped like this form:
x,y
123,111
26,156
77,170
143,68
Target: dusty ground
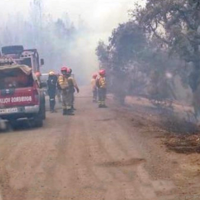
x,y
98,154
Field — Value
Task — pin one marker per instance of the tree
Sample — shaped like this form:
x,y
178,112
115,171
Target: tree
x,y
133,55
102,54
126,46
177,25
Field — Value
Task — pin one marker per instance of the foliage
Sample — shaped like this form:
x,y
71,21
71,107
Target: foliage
x,y
158,44
126,44
177,25
131,59
102,53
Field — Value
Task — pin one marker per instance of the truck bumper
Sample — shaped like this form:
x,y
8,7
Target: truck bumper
x,y
19,112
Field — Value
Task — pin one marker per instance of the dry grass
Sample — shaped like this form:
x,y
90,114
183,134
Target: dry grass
x,y
184,144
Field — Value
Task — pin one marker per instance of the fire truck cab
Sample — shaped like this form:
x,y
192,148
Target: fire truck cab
x,y
19,55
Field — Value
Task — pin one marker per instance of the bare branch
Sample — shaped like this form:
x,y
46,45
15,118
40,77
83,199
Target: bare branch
x,y
158,36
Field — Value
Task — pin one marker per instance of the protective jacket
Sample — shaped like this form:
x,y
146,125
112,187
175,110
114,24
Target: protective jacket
x,y
101,82
72,84
52,84
63,82
93,83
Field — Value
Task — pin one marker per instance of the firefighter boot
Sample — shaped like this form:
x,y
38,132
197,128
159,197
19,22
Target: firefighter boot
x,y
100,105
73,108
103,104
69,112
52,105
64,111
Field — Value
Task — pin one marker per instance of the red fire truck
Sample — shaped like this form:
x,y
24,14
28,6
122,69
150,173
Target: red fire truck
x,y
21,97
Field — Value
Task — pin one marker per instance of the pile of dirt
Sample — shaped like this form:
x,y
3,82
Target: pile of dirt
x,y
183,144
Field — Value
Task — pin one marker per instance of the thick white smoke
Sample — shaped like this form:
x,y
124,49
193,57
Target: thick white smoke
x,y
99,17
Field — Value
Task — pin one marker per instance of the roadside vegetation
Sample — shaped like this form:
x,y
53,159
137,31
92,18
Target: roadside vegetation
x,y
156,55
158,46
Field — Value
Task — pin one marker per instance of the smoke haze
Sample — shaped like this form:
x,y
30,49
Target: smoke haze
x,y
95,21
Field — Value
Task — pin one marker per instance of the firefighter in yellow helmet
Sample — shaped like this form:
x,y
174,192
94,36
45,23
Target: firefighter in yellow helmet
x,y
101,85
52,86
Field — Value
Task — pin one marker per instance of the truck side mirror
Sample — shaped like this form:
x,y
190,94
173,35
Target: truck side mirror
x,y
42,61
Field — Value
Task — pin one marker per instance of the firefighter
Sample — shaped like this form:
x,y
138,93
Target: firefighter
x,y
52,86
101,85
63,85
94,87
66,84
73,86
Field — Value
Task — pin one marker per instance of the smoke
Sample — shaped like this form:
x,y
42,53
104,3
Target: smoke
x,y
94,21
100,20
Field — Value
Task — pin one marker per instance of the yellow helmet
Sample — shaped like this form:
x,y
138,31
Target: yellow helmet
x,y
51,73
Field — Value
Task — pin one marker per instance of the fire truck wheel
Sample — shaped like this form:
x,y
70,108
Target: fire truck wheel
x,y
43,112
43,108
38,121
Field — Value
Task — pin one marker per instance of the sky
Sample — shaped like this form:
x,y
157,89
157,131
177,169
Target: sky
x,y
100,15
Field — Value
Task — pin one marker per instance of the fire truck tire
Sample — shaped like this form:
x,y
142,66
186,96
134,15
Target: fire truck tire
x,y
38,122
38,119
43,110
13,124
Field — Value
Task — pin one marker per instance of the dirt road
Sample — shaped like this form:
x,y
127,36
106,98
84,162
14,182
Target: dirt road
x,y
104,154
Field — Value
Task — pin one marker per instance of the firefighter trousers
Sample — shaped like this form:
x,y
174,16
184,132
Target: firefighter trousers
x,y
102,96
67,99
59,96
73,98
95,94
52,101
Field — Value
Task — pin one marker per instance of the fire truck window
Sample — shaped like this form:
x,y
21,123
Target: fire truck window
x,y
26,61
